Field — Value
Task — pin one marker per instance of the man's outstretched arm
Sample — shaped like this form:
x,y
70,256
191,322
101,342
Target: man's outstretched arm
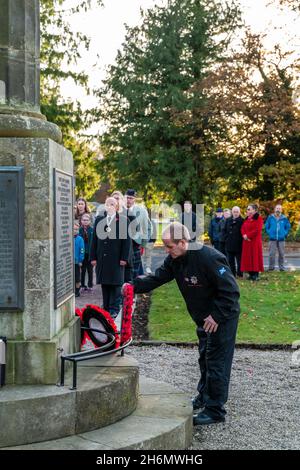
x,y
162,275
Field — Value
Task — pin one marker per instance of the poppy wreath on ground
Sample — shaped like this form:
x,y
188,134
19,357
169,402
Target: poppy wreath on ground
x,y
126,327
93,316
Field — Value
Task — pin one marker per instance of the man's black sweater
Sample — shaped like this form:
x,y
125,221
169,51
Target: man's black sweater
x,y
204,280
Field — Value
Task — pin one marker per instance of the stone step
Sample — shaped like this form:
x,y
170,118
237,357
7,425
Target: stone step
x,y
161,421
107,391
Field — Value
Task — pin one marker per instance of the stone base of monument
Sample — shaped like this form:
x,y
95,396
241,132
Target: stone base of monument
x,y
111,409
38,362
44,319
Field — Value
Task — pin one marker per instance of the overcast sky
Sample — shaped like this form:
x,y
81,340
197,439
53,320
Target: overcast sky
x,y
105,27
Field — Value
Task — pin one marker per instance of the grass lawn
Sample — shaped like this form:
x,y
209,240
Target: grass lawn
x,y
270,311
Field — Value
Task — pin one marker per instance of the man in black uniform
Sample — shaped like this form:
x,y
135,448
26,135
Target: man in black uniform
x,y
212,299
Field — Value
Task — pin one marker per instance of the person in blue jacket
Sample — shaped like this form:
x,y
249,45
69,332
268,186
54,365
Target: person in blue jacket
x,y
277,227
78,256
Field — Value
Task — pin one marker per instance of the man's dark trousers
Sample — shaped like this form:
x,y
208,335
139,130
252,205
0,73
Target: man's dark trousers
x,y
111,299
215,360
231,260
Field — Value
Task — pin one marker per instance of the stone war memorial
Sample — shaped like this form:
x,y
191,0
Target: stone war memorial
x,y
36,194
37,306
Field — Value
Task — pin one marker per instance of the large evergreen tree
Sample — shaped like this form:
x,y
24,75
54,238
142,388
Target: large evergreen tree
x,y
151,83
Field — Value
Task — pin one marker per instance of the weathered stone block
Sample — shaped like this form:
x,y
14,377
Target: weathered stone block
x,y
38,362
39,272
40,324
39,303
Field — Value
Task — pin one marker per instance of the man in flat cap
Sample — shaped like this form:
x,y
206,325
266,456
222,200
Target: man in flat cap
x,y
139,230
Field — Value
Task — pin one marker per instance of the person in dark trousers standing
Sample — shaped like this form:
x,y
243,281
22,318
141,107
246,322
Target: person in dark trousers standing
x,y
234,241
212,295
147,256
86,232
121,209
189,219
214,229
277,227
222,224
139,230
109,253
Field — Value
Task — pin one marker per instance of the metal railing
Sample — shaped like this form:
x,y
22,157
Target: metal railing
x,y
89,354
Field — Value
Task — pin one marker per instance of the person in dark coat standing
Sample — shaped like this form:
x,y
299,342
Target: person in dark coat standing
x,y
189,219
212,295
222,224
252,253
122,210
214,229
110,253
234,241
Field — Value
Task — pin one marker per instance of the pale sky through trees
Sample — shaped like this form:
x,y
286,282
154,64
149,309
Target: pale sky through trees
x,y
105,27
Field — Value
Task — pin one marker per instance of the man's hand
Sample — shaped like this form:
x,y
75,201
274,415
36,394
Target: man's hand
x,y
94,262
210,326
123,263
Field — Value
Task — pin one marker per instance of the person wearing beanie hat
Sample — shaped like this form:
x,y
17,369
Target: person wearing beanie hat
x,y
131,193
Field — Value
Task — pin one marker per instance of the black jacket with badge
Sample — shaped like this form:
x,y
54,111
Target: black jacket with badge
x,y
205,282
109,247
233,235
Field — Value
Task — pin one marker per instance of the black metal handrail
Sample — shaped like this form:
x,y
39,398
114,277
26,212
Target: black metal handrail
x,y
89,354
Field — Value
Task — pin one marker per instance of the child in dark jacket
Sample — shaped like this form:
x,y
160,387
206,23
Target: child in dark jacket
x,y
78,256
86,232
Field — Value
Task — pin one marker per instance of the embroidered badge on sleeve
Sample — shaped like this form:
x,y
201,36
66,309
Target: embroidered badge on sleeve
x,y
222,270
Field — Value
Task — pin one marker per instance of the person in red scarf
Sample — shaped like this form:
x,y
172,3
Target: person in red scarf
x,y
252,253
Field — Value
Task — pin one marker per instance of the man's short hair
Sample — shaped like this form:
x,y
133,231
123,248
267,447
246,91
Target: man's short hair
x,y
177,232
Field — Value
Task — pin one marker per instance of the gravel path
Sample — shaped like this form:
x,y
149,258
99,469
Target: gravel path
x,y
264,400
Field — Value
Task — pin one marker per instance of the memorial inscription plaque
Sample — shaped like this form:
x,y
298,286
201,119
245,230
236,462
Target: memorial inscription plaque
x,y
11,238
63,237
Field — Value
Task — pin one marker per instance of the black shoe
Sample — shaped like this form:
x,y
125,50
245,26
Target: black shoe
x,y
197,402
77,291
202,419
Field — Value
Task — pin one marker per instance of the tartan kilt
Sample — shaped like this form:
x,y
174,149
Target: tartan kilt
x,y
137,266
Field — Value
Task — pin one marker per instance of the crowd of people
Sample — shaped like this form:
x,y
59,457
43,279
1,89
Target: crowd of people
x,y
240,239
118,242
113,244
115,241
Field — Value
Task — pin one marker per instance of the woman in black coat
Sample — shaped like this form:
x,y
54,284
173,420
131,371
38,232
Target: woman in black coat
x,y
110,254
234,241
